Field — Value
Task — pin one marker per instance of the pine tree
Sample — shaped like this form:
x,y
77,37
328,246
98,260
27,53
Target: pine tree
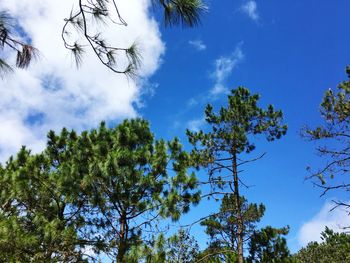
x,y
222,227
181,248
100,190
127,179
39,217
268,245
334,247
334,134
232,131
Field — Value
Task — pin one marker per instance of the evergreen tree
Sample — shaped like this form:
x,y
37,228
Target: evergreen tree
x,y
182,248
99,190
222,227
128,182
232,131
335,134
39,212
335,248
269,246
213,254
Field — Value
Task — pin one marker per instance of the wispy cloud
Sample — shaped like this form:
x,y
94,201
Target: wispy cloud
x,y
192,102
224,66
198,44
222,69
336,220
196,124
250,8
58,94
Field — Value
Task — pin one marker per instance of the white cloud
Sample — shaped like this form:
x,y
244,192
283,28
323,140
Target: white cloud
x,y
52,93
198,44
218,89
192,102
336,220
250,8
196,124
223,68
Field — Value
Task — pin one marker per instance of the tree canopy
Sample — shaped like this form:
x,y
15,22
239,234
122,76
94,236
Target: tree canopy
x,y
268,245
222,227
334,247
99,190
116,192
108,191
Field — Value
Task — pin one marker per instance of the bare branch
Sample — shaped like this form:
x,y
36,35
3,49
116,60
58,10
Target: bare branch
x,y
252,160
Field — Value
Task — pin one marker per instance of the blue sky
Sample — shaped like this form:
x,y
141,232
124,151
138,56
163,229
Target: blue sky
x,y
292,51
288,51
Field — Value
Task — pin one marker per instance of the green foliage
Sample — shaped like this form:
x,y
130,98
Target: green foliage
x,y
185,12
222,227
266,245
232,132
127,179
181,248
269,246
335,248
38,220
101,189
334,133
213,254
25,53
178,248
234,127
336,106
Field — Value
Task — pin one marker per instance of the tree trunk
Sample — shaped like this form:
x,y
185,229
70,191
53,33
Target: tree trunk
x,y
122,246
239,212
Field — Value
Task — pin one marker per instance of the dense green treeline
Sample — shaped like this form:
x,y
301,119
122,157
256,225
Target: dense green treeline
x,y
108,191
98,190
